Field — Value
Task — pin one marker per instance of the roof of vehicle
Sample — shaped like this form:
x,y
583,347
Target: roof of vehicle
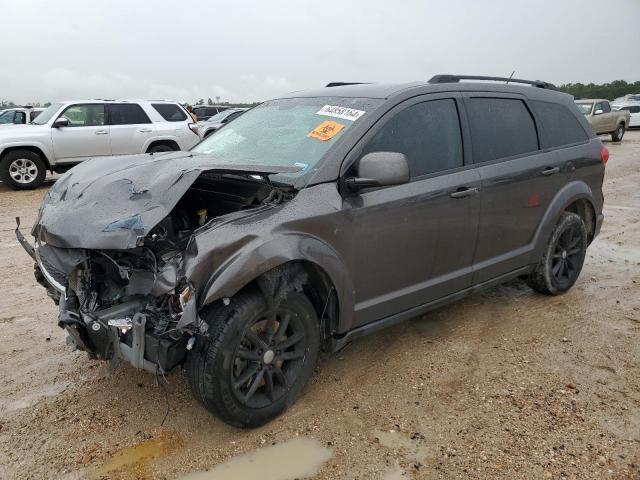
x,y
102,100
591,100
26,107
212,106
439,83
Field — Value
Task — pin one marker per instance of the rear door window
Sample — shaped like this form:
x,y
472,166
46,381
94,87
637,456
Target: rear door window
x,y
170,112
127,114
428,133
500,128
560,126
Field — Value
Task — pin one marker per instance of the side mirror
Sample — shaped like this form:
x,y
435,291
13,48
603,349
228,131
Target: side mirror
x,y
598,112
380,169
61,122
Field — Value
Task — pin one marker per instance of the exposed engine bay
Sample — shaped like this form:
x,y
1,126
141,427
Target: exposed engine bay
x,y
136,304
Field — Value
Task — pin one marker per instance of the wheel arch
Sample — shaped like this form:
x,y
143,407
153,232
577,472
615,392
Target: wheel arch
x,y
576,197
585,209
162,141
32,148
304,263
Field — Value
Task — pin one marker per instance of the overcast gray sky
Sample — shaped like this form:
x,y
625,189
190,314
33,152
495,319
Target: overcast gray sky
x,y
250,50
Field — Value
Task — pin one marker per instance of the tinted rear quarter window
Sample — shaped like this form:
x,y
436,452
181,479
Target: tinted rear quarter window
x,y
127,114
427,133
500,128
560,126
170,112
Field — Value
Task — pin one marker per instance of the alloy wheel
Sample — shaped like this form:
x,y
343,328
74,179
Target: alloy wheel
x,y
565,263
268,358
23,171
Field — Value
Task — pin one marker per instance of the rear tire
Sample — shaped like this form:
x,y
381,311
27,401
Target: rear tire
x,y
254,361
562,260
161,148
22,170
618,133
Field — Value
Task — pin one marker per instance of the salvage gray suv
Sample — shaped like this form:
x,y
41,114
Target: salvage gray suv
x,y
314,219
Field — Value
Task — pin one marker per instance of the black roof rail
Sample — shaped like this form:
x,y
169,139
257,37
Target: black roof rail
x,y
457,78
342,84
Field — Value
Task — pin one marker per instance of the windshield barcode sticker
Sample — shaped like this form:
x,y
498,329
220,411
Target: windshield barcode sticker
x,y
340,112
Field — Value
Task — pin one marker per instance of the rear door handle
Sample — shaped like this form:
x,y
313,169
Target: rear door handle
x,y
463,192
101,132
145,130
550,171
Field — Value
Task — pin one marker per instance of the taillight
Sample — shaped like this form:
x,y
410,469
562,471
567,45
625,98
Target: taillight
x,y
604,154
194,128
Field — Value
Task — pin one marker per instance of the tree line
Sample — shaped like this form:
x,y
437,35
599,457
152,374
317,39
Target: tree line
x,y
610,91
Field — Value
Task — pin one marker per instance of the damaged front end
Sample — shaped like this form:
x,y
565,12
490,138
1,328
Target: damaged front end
x,y
121,304
120,284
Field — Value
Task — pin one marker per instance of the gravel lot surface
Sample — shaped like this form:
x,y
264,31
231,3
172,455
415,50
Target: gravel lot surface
x,y
505,384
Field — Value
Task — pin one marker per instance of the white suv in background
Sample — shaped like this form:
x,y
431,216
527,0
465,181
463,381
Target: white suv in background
x,y
68,133
19,115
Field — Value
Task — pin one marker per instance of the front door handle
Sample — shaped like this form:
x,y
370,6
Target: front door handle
x,y
463,192
101,132
550,170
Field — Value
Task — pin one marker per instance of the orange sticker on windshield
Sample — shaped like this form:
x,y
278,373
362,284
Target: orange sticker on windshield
x,y
326,130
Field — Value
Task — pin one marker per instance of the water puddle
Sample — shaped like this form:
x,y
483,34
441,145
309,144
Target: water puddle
x,y
296,458
135,460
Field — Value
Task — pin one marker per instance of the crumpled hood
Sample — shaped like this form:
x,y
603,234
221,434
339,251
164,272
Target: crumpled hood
x,y
108,203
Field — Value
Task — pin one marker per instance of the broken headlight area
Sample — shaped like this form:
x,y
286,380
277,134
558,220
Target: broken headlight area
x,y
122,305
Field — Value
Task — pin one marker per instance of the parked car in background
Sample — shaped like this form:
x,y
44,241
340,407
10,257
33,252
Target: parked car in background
x,y
634,114
205,112
19,115
249,254
603,119
218,121
68,133
627,99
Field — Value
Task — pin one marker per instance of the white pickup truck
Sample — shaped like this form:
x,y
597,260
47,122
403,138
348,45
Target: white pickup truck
x,y
603,119
68,133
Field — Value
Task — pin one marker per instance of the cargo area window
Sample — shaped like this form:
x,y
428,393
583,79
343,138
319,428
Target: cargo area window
x,y
560,126
170,112
500,128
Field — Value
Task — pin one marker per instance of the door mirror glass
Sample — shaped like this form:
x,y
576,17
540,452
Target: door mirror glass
x,y
598,112
61,122
380,169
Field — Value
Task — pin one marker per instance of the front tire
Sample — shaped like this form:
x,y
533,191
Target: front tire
x,y
618,133
254,360
563,258
22,170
